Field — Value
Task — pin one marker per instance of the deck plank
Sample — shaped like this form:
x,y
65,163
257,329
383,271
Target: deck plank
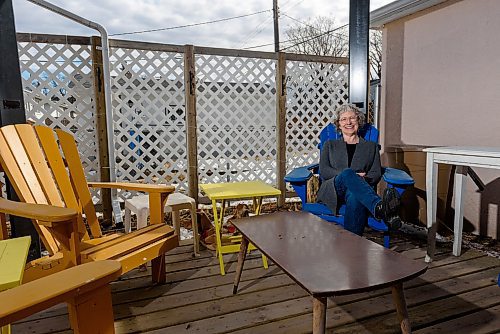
x,y
483,321
455,293
346,309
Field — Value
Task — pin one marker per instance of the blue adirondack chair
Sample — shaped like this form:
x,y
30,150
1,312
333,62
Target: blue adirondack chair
x,y
298,178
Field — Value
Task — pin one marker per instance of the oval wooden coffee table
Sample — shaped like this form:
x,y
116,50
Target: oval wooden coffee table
x,y
327,260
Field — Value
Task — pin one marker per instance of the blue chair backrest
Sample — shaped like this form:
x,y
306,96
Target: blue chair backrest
x,y
368,132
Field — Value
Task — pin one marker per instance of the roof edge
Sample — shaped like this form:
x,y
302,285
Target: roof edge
x,y
398,9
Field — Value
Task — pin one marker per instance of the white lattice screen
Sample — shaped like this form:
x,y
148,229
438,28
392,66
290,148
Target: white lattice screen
x,y
149,116
236,108
58,92
236,116
314,90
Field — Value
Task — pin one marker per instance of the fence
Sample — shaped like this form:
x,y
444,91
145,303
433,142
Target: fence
x,y
183,114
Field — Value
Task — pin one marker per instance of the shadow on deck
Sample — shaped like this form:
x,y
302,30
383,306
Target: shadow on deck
x,y
456,295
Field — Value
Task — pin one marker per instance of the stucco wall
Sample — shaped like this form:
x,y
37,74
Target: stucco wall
x,y
441,87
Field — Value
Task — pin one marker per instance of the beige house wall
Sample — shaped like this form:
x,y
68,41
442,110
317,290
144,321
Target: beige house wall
x,y
441,87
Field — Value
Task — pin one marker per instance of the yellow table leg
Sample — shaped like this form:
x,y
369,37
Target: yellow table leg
x,y
218,225
5,329
223,212
218,221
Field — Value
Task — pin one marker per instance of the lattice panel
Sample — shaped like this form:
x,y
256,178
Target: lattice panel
x,y
149,116
58,92
314,90
236,107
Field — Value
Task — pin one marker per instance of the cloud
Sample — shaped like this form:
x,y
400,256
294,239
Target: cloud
x,y
136,15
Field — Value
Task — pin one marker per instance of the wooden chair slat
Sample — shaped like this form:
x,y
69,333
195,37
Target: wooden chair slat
x,y
50,147
85,244
10,167
124,237
78,180
49,144
29,139
20,184
24,163
130,245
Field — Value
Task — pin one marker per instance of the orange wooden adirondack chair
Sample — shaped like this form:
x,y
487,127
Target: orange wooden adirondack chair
x,y
44,167
84,288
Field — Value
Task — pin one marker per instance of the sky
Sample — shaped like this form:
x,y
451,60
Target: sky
x,y
253,31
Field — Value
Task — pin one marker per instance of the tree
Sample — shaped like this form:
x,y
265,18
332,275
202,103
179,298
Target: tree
x,y
319,36
375,53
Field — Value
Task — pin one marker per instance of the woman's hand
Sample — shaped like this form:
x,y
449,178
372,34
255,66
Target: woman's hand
x,y
362,174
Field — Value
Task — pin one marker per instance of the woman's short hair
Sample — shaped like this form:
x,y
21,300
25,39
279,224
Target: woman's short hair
x,y
345,108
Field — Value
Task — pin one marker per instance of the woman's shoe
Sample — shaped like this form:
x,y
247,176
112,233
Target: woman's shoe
x,y
388,209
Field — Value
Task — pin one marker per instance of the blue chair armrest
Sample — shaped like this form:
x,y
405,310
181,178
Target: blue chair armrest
x,y
301,174
397,177
298,179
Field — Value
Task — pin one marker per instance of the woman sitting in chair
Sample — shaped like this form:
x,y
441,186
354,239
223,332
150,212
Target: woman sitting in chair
x,y
350,170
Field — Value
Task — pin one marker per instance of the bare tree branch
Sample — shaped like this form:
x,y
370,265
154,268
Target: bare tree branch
x,y
318,37
375,53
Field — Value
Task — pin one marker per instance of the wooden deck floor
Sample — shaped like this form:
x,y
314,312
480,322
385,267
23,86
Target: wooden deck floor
x,y
456,295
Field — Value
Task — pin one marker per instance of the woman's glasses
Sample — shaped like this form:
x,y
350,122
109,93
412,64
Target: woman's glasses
x,y
353,119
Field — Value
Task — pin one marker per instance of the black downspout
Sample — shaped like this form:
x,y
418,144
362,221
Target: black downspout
x,y
12,107
359,20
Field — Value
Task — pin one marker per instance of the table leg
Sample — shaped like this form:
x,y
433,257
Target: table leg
x,y
257,202
241,259
398,297
460,175
176,221
222,211
218,225
319,314
431,192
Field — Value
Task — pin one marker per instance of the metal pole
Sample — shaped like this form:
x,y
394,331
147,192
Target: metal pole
x,y
276,27
107,89
359,20
11,89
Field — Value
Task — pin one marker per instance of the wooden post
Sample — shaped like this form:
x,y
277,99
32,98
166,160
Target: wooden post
x,y
191,127
281,127
102,133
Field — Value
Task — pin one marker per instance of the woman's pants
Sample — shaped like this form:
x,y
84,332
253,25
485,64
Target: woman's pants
x,y
359,197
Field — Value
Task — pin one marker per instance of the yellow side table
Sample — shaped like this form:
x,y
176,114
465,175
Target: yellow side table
x,y
225,192
13,255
